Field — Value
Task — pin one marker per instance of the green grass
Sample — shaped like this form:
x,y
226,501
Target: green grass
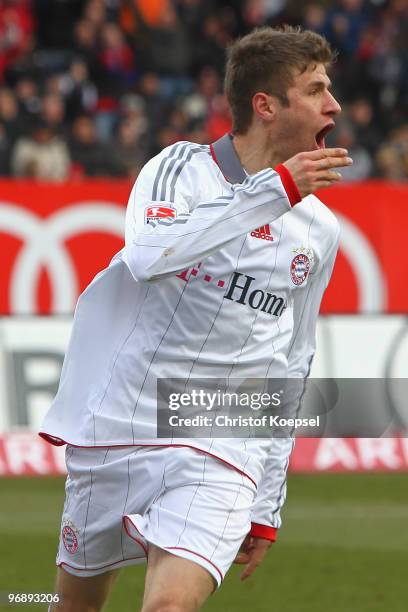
x,y
343,548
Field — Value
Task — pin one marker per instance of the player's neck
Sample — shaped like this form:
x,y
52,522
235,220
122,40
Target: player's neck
x,y
256,151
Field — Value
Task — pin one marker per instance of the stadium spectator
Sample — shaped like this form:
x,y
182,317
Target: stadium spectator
x,y
207,87
129,149
254,13
92,53
28,98
345,24
388,63
392,157
9,115
96,12
90,156
213,40
168,53
362,162
219,118
314,18
85,45
156,107
116,56
193,14
149,10
16,28
55,21
178,120
198,133
80,93
5,149
164,137
42,155
367,132
53,112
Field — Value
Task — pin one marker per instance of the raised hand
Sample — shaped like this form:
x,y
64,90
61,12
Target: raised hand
x,y
313,170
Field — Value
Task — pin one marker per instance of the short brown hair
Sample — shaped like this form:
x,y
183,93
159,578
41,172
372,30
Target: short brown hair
x,y
265,60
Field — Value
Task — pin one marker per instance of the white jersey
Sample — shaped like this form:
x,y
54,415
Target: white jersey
x,y
218,278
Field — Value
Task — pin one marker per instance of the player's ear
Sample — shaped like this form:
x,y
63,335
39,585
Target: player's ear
x,y
264,106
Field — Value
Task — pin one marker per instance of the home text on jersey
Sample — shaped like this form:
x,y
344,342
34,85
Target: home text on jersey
x,y
239,291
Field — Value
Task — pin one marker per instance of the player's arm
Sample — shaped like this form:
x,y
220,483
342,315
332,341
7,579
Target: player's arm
x,y
271,494
194,229
266,519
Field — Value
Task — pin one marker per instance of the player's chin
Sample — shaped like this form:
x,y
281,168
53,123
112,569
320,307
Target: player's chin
x,y
313,146
305,147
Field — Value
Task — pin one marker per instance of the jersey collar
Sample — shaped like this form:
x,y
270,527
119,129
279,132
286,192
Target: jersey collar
x,y
225,156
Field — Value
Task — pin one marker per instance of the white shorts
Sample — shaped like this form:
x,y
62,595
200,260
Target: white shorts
x,y
120,499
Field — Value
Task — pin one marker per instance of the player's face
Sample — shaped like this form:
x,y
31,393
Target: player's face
x,y
303,125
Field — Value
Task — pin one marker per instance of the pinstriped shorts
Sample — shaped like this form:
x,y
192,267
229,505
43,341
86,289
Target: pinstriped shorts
x,y
120,499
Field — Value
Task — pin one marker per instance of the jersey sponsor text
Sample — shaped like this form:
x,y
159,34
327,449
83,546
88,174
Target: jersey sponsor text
x,y
238,291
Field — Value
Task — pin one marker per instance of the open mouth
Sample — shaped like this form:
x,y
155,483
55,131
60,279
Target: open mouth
x,y
320,136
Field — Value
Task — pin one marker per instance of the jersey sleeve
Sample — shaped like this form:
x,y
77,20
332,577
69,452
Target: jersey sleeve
x,y
168,228
271,495
306,308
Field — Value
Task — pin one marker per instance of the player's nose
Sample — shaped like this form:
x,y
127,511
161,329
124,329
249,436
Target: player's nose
x,y
331,105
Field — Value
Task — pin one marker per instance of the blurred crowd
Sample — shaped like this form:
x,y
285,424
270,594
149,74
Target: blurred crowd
x,y
96,87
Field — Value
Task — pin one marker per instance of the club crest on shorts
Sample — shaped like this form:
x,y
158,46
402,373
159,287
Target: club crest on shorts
x,y
301,264
155,212
70,536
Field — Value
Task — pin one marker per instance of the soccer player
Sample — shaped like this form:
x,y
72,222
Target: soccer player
x,y
226,259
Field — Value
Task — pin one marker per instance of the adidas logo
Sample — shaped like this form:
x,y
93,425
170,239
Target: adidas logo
x,y
264,232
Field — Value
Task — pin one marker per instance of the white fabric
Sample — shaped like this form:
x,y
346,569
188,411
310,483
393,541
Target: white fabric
x,y
236,312
167,496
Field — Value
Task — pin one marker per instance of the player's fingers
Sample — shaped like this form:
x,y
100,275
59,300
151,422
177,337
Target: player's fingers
x,y
322,184
246,545
250,568
242,558
333,162
256,557
330,176
324,153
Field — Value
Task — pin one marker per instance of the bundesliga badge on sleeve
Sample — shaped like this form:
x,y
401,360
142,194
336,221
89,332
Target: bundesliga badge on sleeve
x,y
155,212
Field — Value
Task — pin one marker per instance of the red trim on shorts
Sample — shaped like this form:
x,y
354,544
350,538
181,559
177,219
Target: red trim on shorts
x,y
263,531
127,518
59,442
93,569
142,544
289,184
198,555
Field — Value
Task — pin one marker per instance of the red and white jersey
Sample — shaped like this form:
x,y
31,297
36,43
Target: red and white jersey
x,y
219,277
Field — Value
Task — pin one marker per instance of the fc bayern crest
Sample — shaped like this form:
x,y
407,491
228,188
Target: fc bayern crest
x,y
70,539
299,268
